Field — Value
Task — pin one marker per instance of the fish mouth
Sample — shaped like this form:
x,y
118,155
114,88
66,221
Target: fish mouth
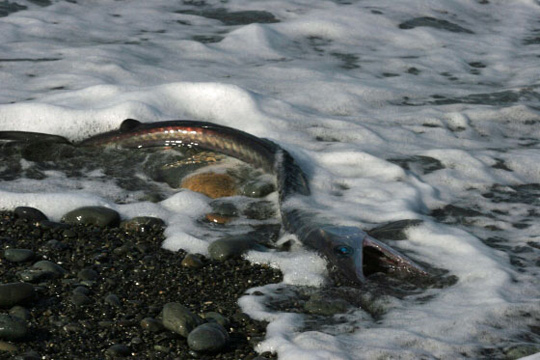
x,y
358,255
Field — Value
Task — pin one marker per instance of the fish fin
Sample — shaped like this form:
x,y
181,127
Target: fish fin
x,y
129,124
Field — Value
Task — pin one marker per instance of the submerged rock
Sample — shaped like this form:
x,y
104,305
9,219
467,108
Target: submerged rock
x,y
211,184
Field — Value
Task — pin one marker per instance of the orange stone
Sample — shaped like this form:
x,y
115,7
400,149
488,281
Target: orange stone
x,y
211,184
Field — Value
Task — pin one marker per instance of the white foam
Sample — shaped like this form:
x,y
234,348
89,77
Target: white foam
x,y
344,89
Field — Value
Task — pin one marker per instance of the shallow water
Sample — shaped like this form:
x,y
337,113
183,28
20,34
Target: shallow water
x,y
395,109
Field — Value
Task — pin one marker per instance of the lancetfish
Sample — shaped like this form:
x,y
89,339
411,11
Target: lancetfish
x,y
347,248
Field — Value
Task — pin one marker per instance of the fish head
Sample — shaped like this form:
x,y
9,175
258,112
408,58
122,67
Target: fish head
x,y
343,246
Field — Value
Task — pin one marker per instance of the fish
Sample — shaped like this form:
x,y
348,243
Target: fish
x,y
347,248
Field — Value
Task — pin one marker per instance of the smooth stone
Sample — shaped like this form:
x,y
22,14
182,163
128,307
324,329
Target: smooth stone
x,y
213,316
178,318
233,246
47,265
151,324
113,300
142,223
20,312
211,184
208,337
14,293
257,189
29,213
12,328
29,355
118,350
18,255
326,307
79,299
92,215
87,274
7,347
192,261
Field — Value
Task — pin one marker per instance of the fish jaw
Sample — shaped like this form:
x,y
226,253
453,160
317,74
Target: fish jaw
x,y
346,246
343,246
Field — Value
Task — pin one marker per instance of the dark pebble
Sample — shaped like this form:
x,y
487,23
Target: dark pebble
x,y
113,300
12,328
49,266
15,293
178,318
118,350
192,261
18,255
213,316
88,274
29,213
93,215
151,324
208,337
35,275
79,299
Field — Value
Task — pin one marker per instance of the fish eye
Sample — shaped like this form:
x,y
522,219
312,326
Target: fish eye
x,y
344,250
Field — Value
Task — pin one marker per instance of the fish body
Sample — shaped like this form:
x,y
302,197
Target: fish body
x,y
343,246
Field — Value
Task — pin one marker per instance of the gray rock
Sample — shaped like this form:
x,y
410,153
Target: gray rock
x,y
15,293
29,213
233,246
18,255
49,266
12,328
178,318
93,215
208,337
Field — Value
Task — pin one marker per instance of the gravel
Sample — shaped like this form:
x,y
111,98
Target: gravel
x,y
100,292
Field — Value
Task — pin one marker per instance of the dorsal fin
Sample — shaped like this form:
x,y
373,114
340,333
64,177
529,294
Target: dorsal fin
x,y
129,124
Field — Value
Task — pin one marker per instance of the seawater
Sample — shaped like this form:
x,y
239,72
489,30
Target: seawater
x,y
395,109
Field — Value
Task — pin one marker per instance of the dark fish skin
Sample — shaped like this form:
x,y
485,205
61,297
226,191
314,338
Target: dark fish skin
x,y
343,246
